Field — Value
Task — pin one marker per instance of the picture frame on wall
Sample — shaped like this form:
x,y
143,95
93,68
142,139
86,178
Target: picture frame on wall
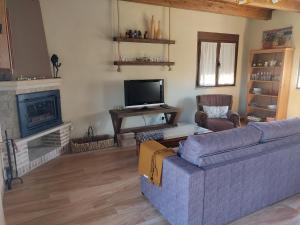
x,y
278,38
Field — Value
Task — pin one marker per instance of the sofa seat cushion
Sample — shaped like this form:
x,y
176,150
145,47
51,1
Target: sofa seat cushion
x,y
219,124
198,147
277,129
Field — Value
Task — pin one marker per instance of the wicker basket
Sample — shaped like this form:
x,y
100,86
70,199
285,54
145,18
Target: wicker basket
x,y
91,143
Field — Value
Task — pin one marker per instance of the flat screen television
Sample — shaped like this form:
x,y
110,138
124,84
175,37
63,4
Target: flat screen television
x,y
143,93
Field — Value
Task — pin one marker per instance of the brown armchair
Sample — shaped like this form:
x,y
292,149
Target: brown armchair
x,y
201,118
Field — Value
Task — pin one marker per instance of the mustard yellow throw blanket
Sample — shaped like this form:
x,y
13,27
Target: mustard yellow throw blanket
x,y
151,159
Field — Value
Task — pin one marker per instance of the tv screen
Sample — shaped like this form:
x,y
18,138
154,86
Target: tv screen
x,y
143,92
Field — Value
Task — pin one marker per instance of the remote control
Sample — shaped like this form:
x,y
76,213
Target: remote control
x,y
165,106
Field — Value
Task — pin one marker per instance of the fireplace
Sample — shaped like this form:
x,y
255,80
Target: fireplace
x,y
38,111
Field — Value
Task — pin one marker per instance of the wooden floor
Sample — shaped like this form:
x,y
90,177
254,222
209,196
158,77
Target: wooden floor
x,y
103,188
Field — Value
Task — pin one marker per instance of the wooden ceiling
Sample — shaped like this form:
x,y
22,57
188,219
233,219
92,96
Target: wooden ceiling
x,y
254,9
286,5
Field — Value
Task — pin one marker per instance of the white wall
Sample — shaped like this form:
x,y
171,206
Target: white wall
x,y
80,32
254,41
2,218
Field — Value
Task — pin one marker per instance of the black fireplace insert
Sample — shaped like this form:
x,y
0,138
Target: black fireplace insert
x,y
38,111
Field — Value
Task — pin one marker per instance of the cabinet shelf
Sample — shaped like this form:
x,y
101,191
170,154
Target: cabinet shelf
x,y
262,108
262,95
265,67
142,40
139,63
265,81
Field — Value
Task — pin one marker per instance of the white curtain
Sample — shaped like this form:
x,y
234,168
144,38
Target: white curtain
x,y
207,72
227,61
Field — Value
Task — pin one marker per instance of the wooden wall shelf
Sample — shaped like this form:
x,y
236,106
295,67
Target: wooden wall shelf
x,y
138,63
142,40
118,39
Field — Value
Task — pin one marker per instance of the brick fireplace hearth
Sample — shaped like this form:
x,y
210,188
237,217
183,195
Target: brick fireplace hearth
x,y
38,149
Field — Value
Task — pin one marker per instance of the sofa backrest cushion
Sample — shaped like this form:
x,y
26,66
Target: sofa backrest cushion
x,y
277,129
198,147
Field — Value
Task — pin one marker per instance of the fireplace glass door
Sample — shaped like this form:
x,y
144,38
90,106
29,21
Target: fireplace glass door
x,y
38,111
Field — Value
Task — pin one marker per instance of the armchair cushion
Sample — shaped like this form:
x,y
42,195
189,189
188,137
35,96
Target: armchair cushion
x,y
216,111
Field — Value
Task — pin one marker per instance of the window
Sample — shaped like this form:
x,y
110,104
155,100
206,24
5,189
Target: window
x,y
217,59
298,83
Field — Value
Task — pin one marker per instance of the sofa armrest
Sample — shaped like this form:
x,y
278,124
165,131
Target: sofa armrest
x,y
234,118
181,196
201,119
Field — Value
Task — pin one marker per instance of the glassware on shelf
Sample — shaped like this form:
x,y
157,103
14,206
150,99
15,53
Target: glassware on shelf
x,y
259,63
265,76
277,77
273,62
266,62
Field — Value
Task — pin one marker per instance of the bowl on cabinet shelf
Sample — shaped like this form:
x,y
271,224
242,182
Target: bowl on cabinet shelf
x,y
257,90
252,118
272,107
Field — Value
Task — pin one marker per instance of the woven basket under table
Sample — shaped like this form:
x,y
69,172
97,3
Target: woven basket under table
x,y
91,143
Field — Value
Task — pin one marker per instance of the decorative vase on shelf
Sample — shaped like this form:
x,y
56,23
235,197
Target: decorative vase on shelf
x,y
158,31
152,28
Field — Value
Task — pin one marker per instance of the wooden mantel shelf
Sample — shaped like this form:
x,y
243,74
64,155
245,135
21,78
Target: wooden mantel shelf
x,y
142,40
29,84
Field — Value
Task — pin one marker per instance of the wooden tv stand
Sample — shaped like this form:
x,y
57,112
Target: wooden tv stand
x,y
171,116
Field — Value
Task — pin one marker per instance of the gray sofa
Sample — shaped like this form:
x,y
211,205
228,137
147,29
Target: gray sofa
x,y
221,177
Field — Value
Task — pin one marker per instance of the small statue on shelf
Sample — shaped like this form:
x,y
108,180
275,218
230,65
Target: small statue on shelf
x,y
139,34
56,65
129,34
146,35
